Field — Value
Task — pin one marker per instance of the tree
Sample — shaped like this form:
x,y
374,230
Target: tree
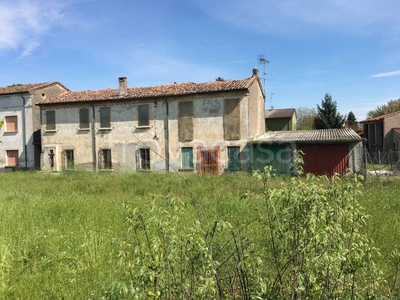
x,y
391,106
352,122
305,118
327,116
219,79
351,118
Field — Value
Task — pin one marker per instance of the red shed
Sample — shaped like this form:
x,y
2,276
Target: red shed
x,y
327,151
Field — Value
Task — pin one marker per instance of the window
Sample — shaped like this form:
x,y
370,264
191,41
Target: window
x,y
232,119
50,120
11,124
185,121
12,158
105,117
105,159
84,118
234,158
187,158
69,159
143,115
145,159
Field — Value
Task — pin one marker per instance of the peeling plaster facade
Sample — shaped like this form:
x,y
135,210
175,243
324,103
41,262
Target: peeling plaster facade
x,y
25,140
205,126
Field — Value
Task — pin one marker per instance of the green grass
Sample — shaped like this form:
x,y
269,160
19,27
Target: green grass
x,y
60,234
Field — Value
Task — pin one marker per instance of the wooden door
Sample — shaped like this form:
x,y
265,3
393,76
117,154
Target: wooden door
x,y
208,158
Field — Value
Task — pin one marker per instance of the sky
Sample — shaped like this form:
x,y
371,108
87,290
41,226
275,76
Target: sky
x,y
349,49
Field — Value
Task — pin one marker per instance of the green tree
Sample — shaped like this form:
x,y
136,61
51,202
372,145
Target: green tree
x,y
305,118
391,106
219,79
351,118
327,116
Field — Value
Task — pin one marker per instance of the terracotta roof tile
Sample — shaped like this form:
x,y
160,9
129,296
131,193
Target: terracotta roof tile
x,y
380,117
29,87
175,89
321,135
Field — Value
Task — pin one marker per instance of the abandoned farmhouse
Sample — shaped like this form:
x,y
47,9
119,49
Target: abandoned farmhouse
x,y
211,127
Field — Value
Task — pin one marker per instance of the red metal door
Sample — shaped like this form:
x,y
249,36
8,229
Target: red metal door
x,y
208,159
325,159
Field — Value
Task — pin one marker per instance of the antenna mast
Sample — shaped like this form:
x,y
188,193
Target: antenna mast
x,y
262,60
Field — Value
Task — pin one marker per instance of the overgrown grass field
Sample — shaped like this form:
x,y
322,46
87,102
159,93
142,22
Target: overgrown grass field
x,y
162,236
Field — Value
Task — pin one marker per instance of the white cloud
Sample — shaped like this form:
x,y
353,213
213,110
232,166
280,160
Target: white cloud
x,y
387,74
23,23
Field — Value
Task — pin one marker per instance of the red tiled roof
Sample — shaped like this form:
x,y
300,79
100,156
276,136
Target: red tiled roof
x,y
175,89
380,117
29,87
396,130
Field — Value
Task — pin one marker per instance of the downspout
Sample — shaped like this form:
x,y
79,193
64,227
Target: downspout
x,y
24,131
94,160
166,136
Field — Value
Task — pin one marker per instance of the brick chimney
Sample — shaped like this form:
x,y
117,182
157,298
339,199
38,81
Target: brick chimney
x,y
346,124
123,86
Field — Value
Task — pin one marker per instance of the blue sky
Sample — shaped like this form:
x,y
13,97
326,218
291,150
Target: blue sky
x,y
350,49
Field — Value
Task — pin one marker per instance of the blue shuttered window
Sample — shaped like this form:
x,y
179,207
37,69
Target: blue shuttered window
x,y
234,158
187,158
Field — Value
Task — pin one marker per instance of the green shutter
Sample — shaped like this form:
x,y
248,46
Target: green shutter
x,y
51,120
143,115
187,158
233,158
84,118
105,117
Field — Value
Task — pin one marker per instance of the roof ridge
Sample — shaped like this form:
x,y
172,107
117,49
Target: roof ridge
x,y
163,90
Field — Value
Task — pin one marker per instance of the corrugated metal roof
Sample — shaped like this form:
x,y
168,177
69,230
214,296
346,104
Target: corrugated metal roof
x,y
380,117
175,89
26,88
321,135
279,113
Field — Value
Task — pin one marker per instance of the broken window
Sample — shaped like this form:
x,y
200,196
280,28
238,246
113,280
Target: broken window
x,y
50,120
232,119
105,117
105,159
84,118
145,159
68,159
143,115
11,124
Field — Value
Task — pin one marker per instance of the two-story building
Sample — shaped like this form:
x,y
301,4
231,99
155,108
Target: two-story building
x,y
380,133
20,123
200,127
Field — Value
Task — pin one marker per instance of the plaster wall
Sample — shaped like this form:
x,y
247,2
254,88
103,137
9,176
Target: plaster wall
x,y
388,125
125,137
13,105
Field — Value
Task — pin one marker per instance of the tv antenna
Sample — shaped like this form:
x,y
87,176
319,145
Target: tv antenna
x,y
262,60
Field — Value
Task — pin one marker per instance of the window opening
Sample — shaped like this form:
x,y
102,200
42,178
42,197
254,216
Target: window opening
x,y
105,117
143,115
145,159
